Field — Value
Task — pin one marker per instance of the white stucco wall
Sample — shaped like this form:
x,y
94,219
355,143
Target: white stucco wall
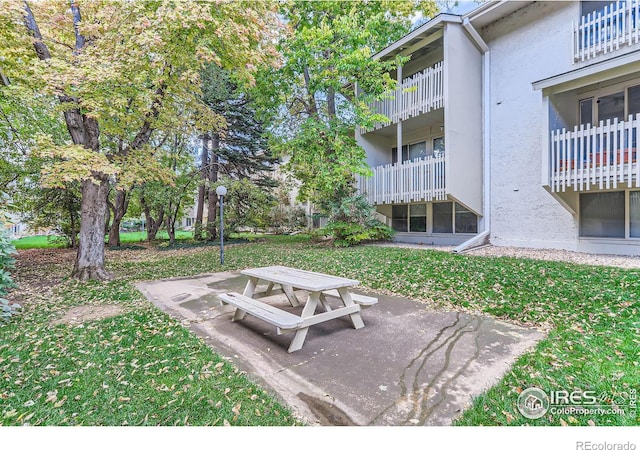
x,y
463,118
529,45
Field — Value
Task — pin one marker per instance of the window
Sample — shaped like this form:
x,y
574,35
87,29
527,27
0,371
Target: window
x,y
418,218
586,111
611,107
634,214
438,146
466,221
417,150
410,152
633,100
399,217
443,217
587,7
602,215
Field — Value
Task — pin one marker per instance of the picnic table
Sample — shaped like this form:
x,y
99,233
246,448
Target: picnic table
x,y
318,285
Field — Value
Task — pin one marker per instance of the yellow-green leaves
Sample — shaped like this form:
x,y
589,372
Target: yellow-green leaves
x,y
70,163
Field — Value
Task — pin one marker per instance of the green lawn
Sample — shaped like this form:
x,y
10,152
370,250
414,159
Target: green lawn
x,y
133,237
39,242
108,372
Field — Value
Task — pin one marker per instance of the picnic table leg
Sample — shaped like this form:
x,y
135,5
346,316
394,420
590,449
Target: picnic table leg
x,y
249,289
269,289
325,304
308,311
288,291
348,301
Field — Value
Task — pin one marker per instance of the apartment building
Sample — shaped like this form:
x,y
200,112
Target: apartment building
x,y
514,124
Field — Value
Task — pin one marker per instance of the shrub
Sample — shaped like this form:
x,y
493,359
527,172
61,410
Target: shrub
x,y
346,234
7,263
285,219
353,222
245,205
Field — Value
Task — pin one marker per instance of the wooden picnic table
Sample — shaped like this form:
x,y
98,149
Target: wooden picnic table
x,y
318,285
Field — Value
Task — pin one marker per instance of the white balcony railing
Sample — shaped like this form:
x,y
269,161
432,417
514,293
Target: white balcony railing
x,y
418,94
617,25
605,156
409,181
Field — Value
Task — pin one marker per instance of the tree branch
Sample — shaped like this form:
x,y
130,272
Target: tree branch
x,y
80,40
41,48
145,131
3,78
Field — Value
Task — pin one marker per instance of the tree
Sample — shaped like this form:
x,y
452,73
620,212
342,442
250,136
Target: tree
x,y
327,56
246,205
119,71
238,151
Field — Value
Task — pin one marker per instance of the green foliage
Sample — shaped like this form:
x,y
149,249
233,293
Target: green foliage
x,y
7,263
284,218
242,148
353,222
55,209
328,53
245,205
347,234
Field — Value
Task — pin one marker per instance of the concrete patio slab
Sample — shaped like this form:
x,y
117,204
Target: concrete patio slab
x,y
407,366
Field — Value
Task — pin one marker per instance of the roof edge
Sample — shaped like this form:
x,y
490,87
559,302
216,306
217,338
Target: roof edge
x,y
438,20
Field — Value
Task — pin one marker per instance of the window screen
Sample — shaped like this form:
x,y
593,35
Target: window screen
x,y
611,107
466,221
399,217
438,146
443,217
418,150
602,215
418,218
593,7
634,100
586,111
394,154
634,213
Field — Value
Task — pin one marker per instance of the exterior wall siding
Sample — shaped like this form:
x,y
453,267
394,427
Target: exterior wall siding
x,y
531,44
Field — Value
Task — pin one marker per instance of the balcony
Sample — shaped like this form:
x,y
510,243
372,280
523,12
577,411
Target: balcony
x,y
603,156
409,181
606,31
418,94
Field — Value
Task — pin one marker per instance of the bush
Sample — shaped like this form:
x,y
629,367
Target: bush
x,y
285,219
7,263
347,234
352,222
246,205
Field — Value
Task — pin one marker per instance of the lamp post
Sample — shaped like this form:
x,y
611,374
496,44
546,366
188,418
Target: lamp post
x,y
221,191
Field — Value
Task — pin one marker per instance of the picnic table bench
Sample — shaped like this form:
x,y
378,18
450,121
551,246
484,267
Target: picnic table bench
x,y
318,285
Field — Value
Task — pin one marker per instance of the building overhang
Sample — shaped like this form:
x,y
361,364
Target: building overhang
x,y
618,66
418,38
494,10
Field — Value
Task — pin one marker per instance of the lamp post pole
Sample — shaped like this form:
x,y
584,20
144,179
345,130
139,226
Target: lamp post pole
x,y
221,191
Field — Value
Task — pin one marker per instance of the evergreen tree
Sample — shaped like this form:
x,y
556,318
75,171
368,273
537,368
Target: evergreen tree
x,y
239,151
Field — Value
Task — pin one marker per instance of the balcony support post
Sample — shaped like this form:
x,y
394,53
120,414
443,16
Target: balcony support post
x,y
399,109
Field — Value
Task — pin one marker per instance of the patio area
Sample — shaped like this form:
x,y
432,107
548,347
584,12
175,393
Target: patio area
x,y
407,366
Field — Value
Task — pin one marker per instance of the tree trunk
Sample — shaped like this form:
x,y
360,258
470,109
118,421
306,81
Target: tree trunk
x,y
171,230
213,197
197,233
331,103
90,257
119,211
152,225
